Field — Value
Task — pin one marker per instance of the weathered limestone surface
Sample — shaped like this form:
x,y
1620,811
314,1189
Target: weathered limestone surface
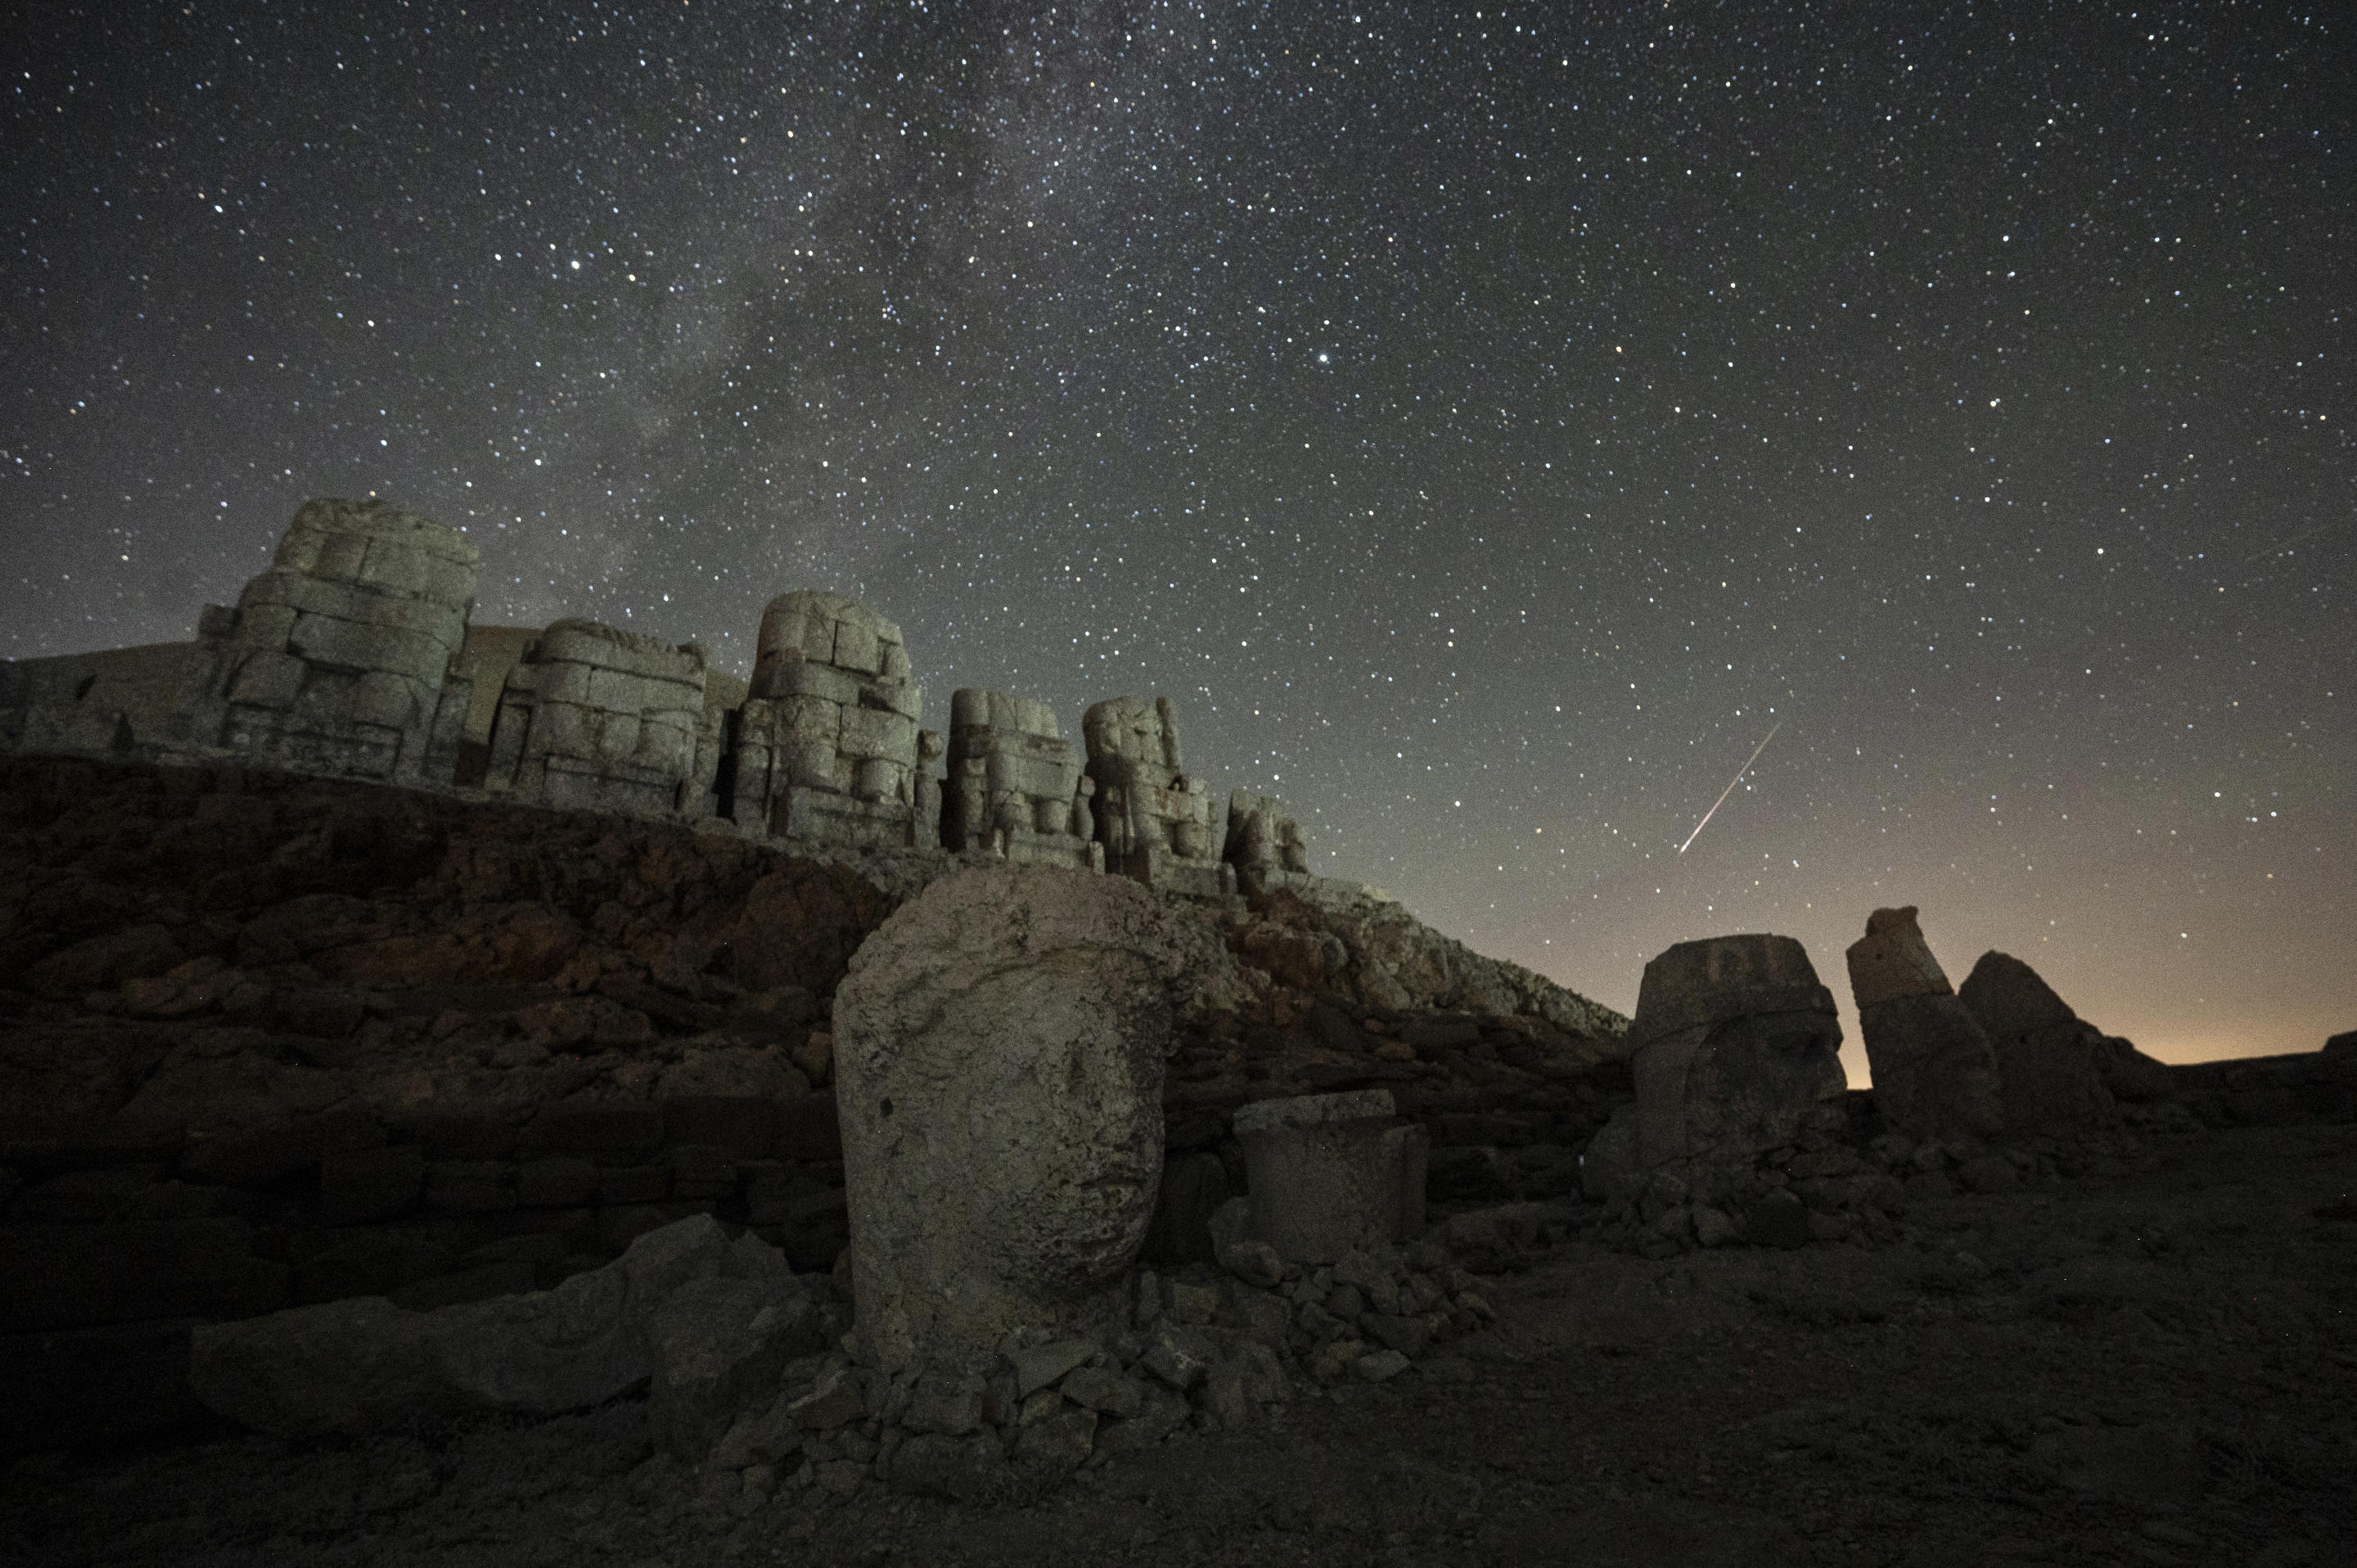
x,y
1266,847
828,747
2058,1072
1732,1048
362,1363
1155,822
999,1050
1934,1073
1015,787
1332,1174
596,718
336,658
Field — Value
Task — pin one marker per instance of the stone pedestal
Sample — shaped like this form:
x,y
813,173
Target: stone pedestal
x,y
1330,1174
1934,1074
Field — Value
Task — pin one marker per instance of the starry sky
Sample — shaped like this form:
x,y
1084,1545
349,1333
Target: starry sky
x,y
1486,423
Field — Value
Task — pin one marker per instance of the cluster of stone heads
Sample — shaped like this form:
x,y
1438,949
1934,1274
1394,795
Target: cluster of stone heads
x,y
354,655
1733,1051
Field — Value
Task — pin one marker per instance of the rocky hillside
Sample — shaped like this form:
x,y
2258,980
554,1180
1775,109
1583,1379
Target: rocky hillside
x,y
268,1040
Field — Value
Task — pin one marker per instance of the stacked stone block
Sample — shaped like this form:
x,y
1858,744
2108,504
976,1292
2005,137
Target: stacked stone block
x,y
1267,848
596,718
1016,788
1155,822
827,745
336,660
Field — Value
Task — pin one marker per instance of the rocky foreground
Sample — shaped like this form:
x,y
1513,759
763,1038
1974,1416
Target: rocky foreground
x,y
2153,1362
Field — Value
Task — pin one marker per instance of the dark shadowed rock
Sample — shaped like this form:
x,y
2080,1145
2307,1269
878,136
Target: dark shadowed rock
x,y
364,1364
1934,1072
1735,1044
2050,1065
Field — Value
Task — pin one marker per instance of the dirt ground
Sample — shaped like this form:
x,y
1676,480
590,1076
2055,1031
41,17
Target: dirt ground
x,y
2156,1365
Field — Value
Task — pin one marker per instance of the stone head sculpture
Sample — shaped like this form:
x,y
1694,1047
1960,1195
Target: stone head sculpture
x,y
999,1050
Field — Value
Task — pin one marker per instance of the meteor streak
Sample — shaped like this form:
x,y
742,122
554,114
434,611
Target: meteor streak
x,y
1731,783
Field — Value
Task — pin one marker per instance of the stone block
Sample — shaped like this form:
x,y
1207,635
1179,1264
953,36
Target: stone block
x,y
856,649
355,648
803,679
1893,960
366,1185
744,1125
258,1156
624,1184
718,1345
1735,1045
1935,1075
872,731
1040,1366
1327,1173
268,680
609,1132
808,1129
469,1186
364,1364
1718,978
560,1181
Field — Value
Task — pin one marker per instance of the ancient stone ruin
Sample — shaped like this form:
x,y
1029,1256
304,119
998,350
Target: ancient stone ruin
x,y
353,656
999,1050
2056,1072
1935,1075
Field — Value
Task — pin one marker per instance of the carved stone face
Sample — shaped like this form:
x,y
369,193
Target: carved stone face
x,y
999,1047
1064,1133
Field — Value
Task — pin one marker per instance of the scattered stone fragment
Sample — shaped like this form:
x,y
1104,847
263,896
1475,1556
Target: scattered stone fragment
x,y
1935,1075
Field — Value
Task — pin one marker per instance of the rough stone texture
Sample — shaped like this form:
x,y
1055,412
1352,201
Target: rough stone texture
x,y
1332,1173
1015,787
828,747
336,658
1155,822
1934,1073
361,1364
2057,1073
999,1047
1893,960
1733,1045
719,1344
593,717
1267,848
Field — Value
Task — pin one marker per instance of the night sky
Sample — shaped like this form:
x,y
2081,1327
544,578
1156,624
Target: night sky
x,y
1486,423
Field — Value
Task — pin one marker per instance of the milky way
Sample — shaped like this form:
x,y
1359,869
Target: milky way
x,y
1484,424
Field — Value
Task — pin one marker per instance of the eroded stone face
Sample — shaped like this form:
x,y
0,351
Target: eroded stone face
x,y
1737,1044
999,1050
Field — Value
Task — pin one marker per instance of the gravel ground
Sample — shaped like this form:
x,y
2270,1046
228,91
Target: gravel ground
x,y
2156,1365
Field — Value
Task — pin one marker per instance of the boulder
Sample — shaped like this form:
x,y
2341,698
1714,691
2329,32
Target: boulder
x,y
1934,1073
1000,1054
2053,1069
363,1364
